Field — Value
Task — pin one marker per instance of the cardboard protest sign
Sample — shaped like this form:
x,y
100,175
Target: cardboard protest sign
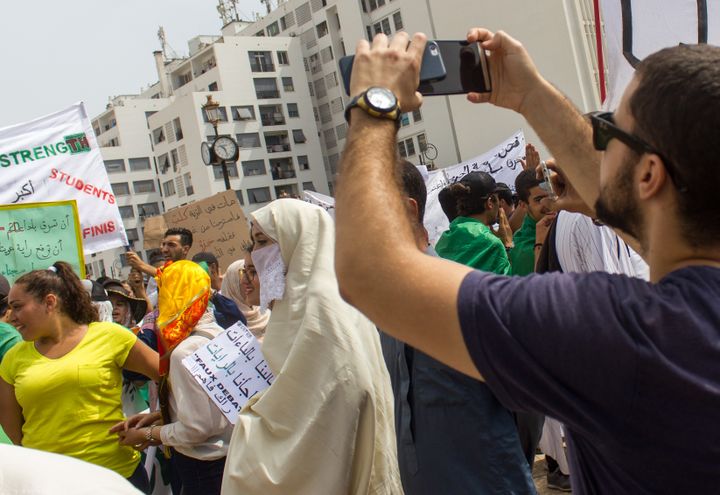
x,y
231,369
56,158
153,231
218,226
636,28
35,235
502,162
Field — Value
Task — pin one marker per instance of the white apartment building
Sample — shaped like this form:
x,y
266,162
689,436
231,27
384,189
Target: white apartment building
x,y
265,105
558,34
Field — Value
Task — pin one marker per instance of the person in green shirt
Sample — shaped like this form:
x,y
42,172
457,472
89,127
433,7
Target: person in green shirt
x,y
534,198
470,240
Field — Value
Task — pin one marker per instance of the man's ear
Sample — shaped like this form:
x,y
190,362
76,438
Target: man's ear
x,y
413,208
653,176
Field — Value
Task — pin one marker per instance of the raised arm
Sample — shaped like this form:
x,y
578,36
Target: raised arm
x,y
406,293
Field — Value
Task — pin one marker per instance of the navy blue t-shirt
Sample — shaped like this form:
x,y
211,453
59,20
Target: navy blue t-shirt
x,y
631,368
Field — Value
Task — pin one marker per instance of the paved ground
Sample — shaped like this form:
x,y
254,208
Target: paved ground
x,y
539,473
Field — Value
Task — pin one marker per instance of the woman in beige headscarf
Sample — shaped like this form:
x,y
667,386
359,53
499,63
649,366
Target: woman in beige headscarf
x,y
257,319
325,425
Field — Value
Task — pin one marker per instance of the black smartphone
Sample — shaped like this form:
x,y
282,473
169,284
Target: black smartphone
x,y
466,65
432,67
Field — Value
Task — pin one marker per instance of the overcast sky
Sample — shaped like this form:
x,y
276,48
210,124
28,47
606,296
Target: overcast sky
x,y
55,53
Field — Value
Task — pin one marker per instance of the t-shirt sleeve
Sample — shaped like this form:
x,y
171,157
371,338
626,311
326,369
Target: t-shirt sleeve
x,y
122,340
8,365
553,343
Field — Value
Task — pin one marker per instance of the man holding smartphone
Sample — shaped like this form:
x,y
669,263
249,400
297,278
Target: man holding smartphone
x,y
639,388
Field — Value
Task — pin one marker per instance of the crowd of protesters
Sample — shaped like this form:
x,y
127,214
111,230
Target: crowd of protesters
x,y
575,314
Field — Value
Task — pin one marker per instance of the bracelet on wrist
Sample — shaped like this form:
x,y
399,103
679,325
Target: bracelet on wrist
x,y
538,245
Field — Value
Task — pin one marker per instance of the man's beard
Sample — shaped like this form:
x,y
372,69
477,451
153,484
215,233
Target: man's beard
x,y
616,205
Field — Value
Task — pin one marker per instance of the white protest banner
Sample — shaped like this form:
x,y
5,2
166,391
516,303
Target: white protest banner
x,y
325,202
502,162
56,158
231,369
636,28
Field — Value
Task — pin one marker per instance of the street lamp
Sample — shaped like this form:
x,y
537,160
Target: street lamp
x,y
224,149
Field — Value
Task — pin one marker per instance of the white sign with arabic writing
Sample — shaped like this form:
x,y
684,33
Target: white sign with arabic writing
x,y
57,158
231,369
502,162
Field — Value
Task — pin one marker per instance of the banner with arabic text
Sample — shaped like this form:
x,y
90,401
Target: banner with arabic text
x,y
56,158
502,162
35,235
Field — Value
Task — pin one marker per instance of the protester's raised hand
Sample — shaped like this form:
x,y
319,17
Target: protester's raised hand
x,y
504,232
513,73
542,227
393,64
532,158
567,197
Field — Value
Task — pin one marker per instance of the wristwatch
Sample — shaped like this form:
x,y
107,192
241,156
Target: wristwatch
x,y
378,102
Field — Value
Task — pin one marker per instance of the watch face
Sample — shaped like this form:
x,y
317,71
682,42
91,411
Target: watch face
x,y
225,148
381,99
205,153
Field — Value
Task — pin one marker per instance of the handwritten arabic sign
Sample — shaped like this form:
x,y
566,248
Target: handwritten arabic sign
x,y
636,28
231,369
502,162
218,226
35,235
56,158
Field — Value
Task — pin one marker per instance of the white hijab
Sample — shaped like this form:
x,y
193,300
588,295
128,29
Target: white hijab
x,y
231,287
325,426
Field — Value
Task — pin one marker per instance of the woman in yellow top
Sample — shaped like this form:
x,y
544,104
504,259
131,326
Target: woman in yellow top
x,y
60,387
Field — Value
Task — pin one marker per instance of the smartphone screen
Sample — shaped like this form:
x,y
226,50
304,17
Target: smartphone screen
x,y
466,68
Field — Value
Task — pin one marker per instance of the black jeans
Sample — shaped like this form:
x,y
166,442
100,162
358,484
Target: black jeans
x,y
139,479
198,477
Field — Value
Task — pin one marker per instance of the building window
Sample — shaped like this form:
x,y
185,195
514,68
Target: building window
x,y
282,57
308,186
132,235
243,113
174,159
286,191
326,54
143,186
148,210
120,188
266,87
253,167
231,168
422,142
406,147
303,163
261,62
259,195
282,168
114,166
417,115
169,188
273,29
404,119
126,211
248,140
137,164
213,86
397,20
271,115
222,114
188,184
277,142
298,136
322,29
164,162
287,83
292,109
158,135
178,129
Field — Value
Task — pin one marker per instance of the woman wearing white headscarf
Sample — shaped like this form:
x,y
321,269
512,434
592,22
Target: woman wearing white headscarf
x,y
325,425
257,319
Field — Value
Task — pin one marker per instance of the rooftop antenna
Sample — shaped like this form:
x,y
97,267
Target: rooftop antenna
x,y
168,52
228,11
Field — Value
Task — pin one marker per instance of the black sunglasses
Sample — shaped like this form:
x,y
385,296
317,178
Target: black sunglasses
x,y
605,130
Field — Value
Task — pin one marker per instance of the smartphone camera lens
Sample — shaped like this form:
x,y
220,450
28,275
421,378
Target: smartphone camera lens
x,y
433,50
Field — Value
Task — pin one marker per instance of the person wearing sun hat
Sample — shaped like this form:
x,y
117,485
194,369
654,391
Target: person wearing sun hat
x,y
127,309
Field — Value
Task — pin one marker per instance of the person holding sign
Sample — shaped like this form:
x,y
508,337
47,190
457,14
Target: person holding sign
x,y
325,425
190,422
60,388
